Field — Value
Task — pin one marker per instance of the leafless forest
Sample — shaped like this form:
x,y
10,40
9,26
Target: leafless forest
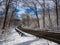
x,y
41,15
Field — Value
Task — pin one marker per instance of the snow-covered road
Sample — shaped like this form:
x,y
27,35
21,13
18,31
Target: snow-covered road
x,y
13,38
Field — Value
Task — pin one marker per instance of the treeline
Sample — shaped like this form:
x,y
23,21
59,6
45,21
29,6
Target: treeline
x,y
49,8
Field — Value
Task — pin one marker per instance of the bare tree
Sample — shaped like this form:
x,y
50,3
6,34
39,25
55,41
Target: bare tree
x,y
26,19
56,3
44,13
43,9
57,12
6,12
13,11
10,21
34,7
36,15
48,11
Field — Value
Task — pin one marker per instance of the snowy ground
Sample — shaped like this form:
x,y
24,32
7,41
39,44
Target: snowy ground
x,y
11,37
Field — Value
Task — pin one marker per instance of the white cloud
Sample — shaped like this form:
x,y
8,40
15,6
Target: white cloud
x,y
21,12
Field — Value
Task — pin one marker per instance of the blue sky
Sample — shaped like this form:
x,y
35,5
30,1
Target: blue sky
x,y
20,12
17,10
21,9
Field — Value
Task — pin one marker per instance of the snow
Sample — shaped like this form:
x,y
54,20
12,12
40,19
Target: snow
x,y
13,38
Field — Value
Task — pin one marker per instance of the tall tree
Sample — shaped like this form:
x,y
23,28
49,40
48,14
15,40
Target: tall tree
x,y
36,15
10,21
43,13
48,11
28,20
33,7
13,11
57,12
56,3
6,12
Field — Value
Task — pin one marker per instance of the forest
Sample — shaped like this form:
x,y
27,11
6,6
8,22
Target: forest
x,y
40,18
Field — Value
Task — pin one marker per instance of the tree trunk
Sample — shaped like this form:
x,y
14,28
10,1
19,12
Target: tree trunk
x,y
57,12
50,22
11,18
6,13
37,16
28,20
43,13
